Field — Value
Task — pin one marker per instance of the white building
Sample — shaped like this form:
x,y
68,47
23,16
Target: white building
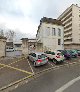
x,y
50,34
71,21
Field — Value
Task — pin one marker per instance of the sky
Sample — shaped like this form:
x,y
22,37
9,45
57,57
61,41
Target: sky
x,y
23,16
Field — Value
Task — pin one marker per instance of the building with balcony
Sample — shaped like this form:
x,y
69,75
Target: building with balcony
x,y
50,34
71,21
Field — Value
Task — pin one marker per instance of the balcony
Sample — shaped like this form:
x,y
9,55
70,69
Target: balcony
x,y
68,30
69,39
68,26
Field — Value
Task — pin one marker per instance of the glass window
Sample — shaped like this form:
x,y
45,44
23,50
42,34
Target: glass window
x,y
59,32
52,53
33,54
41,56
59,41
53,32
48,31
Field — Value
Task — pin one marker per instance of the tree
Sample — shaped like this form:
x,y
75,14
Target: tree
x,y
1,32
10,35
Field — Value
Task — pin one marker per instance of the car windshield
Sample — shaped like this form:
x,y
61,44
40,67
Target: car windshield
x,y
52,53
68,51
73,51
41,56
48,52
59,54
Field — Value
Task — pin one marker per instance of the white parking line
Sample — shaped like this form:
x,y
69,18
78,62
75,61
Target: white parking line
x,y
30,66
50,64
64,87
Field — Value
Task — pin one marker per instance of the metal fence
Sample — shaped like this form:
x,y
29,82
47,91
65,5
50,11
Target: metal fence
x,y
13,53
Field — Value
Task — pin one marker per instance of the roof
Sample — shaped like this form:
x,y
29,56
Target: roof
x,y
2,37
17,42
50,20
24,39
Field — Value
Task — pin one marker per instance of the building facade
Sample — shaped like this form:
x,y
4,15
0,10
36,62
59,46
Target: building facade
x,y
2,46
50,34
71,21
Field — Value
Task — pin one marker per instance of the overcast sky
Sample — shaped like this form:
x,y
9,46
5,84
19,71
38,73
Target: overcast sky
x,y
24,15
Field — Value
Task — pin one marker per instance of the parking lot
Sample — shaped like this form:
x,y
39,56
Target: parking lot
x,y
14,69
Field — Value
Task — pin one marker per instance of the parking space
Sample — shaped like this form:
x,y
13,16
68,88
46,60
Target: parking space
x,y
8,75
40,68
14,69
8,60
23,65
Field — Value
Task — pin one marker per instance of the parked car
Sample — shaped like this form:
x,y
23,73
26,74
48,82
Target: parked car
x,y
9,49
66,54
78,52
56,56
73,53
38,58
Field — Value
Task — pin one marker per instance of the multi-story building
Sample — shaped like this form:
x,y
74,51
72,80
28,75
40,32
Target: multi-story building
x,y
50,34
71,21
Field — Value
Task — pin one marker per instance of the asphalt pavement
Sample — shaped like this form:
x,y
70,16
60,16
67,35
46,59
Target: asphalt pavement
x,y
14,70
53,80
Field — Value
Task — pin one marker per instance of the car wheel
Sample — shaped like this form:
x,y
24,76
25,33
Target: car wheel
x,y
28,57
54,61
34,63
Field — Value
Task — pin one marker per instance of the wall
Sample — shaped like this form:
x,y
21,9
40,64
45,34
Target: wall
x,y
50,42
75,24
2,47
24,47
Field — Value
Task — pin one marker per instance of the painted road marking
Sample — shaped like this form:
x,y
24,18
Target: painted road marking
x,y
16,68
64,87
16,82
30,67
11,84
50,64
12,63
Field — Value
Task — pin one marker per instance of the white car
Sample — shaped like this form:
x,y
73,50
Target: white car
x,y
38,58
56,56
9,49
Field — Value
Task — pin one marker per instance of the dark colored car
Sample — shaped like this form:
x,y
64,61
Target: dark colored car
x,y
73,53
66,54
78,52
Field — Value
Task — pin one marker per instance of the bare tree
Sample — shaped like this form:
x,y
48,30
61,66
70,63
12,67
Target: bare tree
x,y
1,32
10,35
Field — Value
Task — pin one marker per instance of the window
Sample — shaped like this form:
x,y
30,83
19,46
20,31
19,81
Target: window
x,y
33,54
59,41
48,31
41,56
59,32
53,31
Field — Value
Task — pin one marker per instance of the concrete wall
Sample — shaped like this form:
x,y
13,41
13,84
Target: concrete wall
x,y
24,47
72,46
75,24
2,47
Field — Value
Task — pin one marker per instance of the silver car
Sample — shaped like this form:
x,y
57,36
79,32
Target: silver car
x,y
38,58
